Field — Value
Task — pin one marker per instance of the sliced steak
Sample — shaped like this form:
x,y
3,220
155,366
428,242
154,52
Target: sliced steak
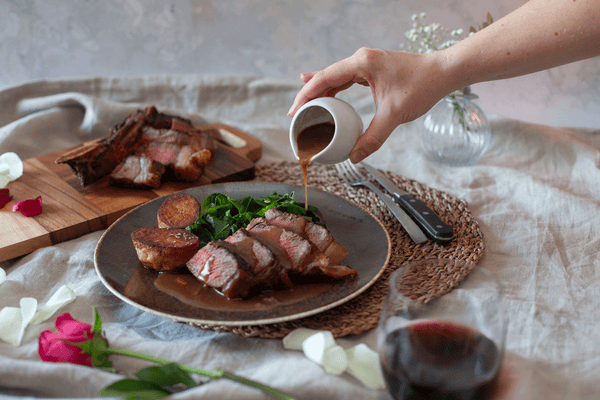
x,y
138,172
267,269
269,236
189,165
303,256
335,252
292,222
163,152
183,149
262,256
315,233
318,235
219,267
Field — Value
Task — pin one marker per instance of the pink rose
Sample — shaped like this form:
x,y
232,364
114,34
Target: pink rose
x,y
54,348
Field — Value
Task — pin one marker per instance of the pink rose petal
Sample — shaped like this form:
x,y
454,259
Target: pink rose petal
x,y
5,197
4,200
29,208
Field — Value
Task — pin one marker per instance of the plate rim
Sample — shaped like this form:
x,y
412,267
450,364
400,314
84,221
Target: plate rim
x,y
252,322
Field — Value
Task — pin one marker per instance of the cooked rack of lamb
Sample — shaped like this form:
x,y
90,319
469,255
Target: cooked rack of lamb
x,y
140,150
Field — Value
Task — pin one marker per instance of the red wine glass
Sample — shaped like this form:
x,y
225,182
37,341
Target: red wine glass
x,y
442,347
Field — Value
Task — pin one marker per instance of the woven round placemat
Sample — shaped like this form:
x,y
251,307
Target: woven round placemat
x,y
362,313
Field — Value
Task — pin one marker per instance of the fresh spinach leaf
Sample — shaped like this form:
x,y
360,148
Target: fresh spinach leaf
x,y
220,215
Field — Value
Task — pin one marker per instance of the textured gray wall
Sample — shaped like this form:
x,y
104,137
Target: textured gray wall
x,y
48,39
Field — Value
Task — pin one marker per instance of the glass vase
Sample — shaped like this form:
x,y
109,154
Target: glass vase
x,y
455,131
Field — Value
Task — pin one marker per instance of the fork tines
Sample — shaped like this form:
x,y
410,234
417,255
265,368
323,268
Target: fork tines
x,y
348,172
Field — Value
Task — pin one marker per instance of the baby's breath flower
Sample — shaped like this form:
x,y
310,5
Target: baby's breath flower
x,y
426,38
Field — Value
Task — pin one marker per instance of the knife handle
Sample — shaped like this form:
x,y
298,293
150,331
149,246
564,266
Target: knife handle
x,y
409,225
427,220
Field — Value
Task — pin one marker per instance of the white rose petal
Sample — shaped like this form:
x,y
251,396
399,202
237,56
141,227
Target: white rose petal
x,y
294,339
3,180
61,298
13,320
10,322
28,307
335,360
315,345
11,168
320,347
363,364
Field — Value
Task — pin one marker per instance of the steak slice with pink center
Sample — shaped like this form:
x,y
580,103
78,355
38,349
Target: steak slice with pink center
x,y
138,172
219,267
303,255
267,269
315,233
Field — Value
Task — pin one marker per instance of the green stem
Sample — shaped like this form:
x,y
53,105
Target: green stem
x,y
461,113
213,375
264,388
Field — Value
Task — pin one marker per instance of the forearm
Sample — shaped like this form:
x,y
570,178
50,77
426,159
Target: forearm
x,y
539,35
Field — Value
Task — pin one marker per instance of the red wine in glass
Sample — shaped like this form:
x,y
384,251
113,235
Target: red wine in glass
x,y
439,360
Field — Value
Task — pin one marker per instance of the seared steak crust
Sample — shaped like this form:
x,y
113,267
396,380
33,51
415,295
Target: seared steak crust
x,y
164,249
179,210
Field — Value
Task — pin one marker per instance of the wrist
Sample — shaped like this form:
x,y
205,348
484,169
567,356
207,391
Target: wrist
x,y
454,74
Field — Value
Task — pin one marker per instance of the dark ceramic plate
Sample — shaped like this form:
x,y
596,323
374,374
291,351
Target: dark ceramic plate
x,y
357,230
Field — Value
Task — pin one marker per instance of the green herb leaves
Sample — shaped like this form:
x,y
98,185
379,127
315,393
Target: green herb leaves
x,y
153,382
220,216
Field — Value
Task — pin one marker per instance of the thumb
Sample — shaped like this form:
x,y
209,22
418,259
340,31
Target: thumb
x,y
375,135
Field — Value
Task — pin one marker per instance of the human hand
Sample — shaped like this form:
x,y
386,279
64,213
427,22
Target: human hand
x,y
404,87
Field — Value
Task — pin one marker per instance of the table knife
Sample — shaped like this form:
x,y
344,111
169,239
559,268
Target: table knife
x,y
425,217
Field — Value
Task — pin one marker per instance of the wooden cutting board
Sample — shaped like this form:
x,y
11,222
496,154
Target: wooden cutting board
x,y
70,210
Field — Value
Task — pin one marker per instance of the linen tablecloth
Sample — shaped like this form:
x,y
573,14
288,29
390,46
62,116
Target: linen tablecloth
x,y
535,193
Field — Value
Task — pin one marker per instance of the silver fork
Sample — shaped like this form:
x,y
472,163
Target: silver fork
x,y
349,174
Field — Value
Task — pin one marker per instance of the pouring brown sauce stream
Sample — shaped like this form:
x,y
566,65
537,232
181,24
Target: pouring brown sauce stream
x,y
311,141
